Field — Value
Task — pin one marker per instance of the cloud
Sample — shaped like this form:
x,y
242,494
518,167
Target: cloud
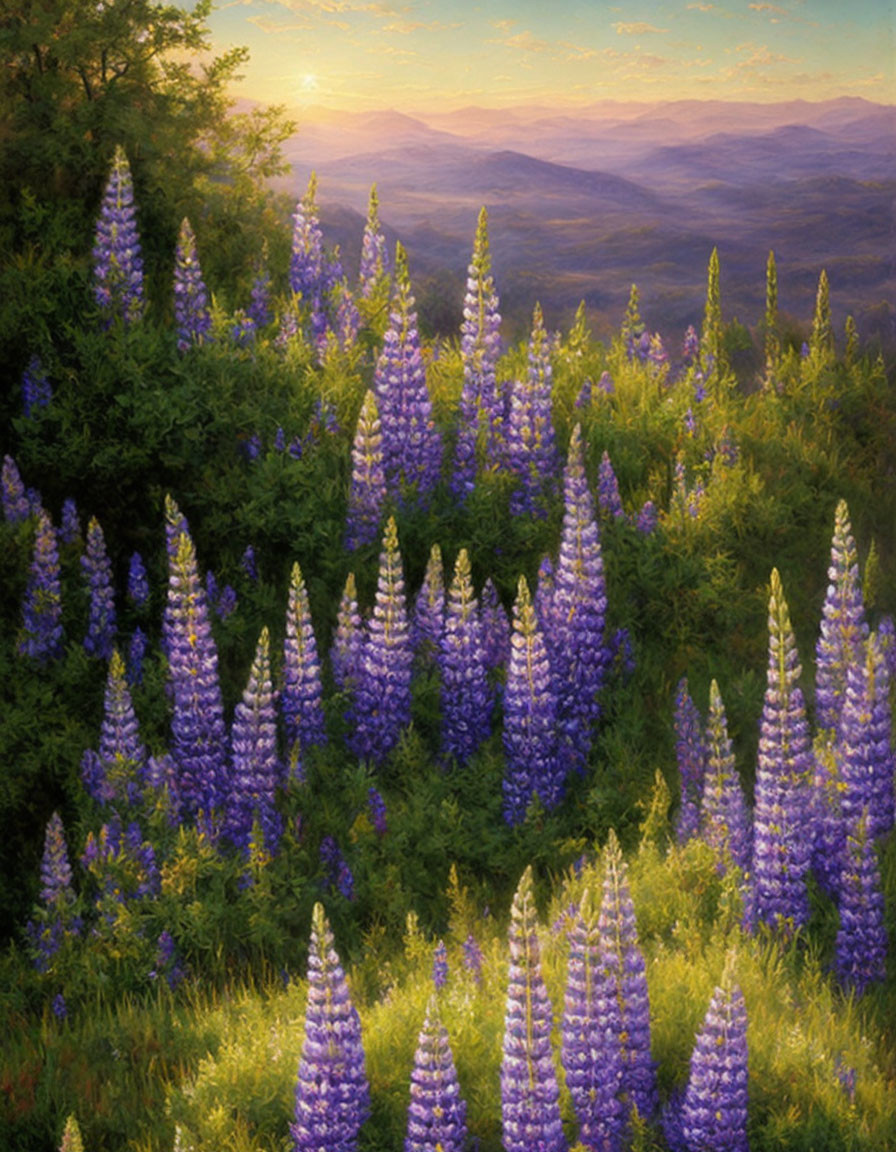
x,y
640,28
770,8
277,27
701,8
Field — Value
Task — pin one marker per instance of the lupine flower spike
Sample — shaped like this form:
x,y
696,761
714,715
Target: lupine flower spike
x,y
608,498
843,625
367,494
466,694
382,704
100,638
41,637
495,626
117,262
16,506
781,847
862,937
412,446
198,732
71,1137
530,1097
622,956
592,1029
437,1112
530,717
306,261
332,1098
348,641
36,389
480,345
868,763
531,450
301,701
714,1111
55,919
724,819
373,273
429,609
191,312
255,768
690,751
112,775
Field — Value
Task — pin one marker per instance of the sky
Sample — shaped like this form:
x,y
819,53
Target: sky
x,y
437,55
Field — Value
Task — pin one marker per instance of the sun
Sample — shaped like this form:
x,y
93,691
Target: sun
x,y
309,82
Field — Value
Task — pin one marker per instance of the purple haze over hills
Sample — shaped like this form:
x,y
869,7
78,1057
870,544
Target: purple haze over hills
x,y
583,203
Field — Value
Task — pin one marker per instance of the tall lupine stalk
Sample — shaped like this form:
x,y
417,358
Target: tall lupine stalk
x,y
712,347
714,1110
867,761
55,919
41,636
622,956
332,1098
781,845
467,697
592,1027
480,346
117,261
437,1113
579,655
101,619
198,731
412,446
306,263
16,506
138,582
495,627
530,450
532,766
861,949
113,774
821,342
373,272
429,610
191,311
608,497
367,494
254,765
772,334
381,708
690,752
530,1097
724,818
301,698
348,640
633,327
843,625
37,392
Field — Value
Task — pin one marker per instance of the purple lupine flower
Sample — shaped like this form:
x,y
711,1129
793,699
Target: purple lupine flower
x,y
101,618
480,346
377,806
55,920
690,752
657,356
242,329
59,1006
349,638
531,452
530,717
530,1097
373,272
862,935
843,625
112,774
226,602
191,312
827,822
576,641
440,965
381,708
622,956
714,1110
117,261
868,764
583,400
544,593
691,346
437,1114
591,1049
633,329
781,847
136,655
301,699
347,322
16,505
279,440
255,768
412,446
138,584
41,636
608,499
367,494
339,875
36,389
259,310
69,525
429,610
605,384
473,957
332,1093
495,627
306,260
198,732
249,564
886,632
466,695
690,422
724,818
648,518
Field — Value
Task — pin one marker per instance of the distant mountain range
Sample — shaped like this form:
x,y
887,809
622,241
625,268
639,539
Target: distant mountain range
x,y
584,203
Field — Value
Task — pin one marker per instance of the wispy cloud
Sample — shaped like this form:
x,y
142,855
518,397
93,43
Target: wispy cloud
x,y
773,8
639,28
701,8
